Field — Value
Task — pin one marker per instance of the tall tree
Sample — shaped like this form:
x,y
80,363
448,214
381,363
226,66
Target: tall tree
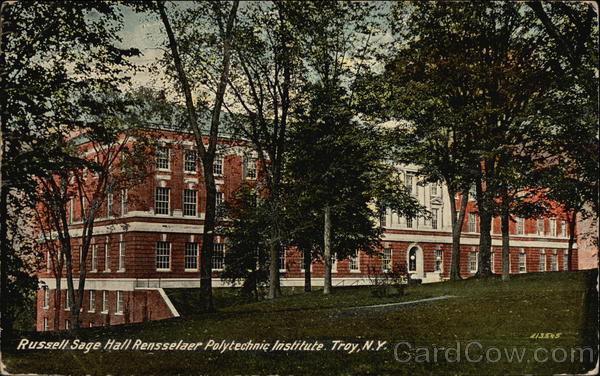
x,y
188,45
44,61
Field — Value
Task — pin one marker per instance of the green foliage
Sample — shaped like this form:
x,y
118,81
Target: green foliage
x,y
247,255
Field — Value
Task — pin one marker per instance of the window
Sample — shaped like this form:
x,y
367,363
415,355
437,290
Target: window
x,y
473,261
92,300
161,205
409,222
163,255
434,218
408,183
46,297
563,228
471,224
438,260
554,262
540,226
123,201
542,265
109,205
566,260
552,229
220,211
191,256
218,165
334,262
67,300
386,259
94,255
104,301
189,161
48,262
189,202
492,261
520,227
119,307
353,262
45,324
91,324
434,189
162,158
71,210
218,257
106,257
121,255
250,165
67,324
282,259
382,217
522,261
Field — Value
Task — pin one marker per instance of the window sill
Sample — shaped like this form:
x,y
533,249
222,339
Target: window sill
x,y
94,311
120,270
191,270
355,271
163,270
217,270
104,312
190,172
107,271
46,308
118,313
162,169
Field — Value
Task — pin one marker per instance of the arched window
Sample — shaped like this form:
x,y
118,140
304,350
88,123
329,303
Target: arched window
x,y
412,259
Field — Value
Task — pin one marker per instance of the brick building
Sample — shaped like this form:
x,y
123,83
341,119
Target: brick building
x,y
147,239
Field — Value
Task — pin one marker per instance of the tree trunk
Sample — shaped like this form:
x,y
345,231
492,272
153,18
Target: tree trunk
x,y
57,303
457,222
485,227
274,288
572,223
327,249
504,219
206,253
307,254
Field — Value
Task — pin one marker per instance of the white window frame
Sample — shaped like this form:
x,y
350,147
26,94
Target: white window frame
x,y
435,191
219,199
539,226
119,303
409,222
563,229
109,205
71,201
187,203
45,328
190,252
218,165
552,225
334,263
438,259
160,257
565,260
434,218
522,261
354,262
124,208
162,156
94,260
106,256
104,301
473,261
216,246
46,301
67,324
159,192
190,158
121,266
520,230
409,182
92,301
282,259
472,223
542,261
386,262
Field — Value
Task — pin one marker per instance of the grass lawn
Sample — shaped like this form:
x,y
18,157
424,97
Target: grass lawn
x,y
488,312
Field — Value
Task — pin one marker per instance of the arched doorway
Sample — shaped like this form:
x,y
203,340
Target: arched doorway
x,y
414,261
